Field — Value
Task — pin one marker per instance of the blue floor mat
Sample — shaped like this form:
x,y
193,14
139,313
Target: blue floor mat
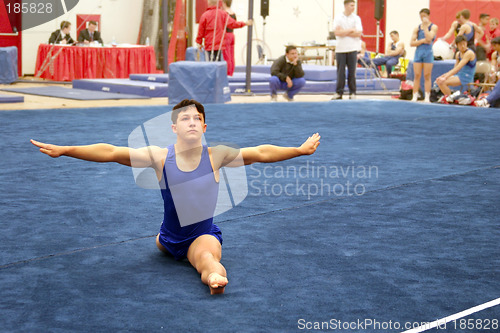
x,y
78,94
418,241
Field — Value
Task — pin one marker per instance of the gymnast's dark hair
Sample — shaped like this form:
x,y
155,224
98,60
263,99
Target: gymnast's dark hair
x,y
460,39
425,10
185,103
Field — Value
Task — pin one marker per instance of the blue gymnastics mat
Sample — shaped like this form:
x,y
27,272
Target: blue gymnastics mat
x,y
68,93
123,86
11,98
395,219
161,78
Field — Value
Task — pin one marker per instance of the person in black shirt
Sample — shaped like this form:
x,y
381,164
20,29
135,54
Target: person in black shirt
x,y
61,36
287,74
90,34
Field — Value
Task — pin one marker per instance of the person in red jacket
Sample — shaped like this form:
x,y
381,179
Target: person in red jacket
x,y
211,29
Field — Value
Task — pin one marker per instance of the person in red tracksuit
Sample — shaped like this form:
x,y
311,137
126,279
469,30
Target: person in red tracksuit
x,y
212,22
228,51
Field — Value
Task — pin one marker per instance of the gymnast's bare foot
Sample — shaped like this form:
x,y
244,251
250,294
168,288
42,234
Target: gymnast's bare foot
x,y
217,283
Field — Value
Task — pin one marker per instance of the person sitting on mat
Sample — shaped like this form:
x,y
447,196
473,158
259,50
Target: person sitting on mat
x,y
90,34
287,74
188,174
61,36
463,71
394,51
212,29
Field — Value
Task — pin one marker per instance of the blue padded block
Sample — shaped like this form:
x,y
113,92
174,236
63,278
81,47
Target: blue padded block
x,y
255,77
11,99
319,87
205,82
8,64
365,73
319,73
123,86
255,87
163,78
438,69
266,69
193,54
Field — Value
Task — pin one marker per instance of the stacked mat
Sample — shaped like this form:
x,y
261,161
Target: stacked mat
x,y
319,79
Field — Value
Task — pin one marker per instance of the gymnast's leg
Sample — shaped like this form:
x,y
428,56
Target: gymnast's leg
x,y
205,254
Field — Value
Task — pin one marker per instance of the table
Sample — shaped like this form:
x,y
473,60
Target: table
x,y
67,63
326,59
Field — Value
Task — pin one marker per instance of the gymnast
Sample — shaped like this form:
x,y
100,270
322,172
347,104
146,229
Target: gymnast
x,y
195,168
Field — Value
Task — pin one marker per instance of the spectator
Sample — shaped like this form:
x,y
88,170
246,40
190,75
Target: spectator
x,y
61,36
90,34
364,56
394,51
228,50
494,33
462,26
423,37
483,43
287,74
348,30
463,71
495,61
211,29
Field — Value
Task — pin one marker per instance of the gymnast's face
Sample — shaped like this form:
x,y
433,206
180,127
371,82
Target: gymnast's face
x,y
462,46
424,17
190,124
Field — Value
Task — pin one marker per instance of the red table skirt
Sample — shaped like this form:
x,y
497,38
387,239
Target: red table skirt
x,y
67,63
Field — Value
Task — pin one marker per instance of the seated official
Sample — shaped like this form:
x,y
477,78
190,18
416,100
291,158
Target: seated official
x,y
61,36
287,74
463,71
394,51
90,34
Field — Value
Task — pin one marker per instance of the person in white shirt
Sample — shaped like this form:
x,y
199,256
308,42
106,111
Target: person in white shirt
x,y
348,31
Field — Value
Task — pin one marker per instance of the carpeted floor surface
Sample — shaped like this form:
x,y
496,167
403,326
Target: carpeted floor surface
x,y
395,218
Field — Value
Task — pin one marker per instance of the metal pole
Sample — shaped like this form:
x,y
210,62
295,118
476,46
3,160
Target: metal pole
x,y
378,32
165,12
249,48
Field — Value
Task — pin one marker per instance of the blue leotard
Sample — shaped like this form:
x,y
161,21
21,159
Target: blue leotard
x,y
466,73
424,53
189,203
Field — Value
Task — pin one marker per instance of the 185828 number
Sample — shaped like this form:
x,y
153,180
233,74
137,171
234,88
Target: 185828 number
x,y
32,8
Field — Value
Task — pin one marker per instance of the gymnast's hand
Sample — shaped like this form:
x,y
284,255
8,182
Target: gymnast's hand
x,y
51,150
310,145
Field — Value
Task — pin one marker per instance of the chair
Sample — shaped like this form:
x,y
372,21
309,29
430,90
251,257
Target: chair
x,y
482,67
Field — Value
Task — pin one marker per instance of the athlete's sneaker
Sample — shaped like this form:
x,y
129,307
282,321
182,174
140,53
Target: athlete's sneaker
x,y
288,98
352,96
274,98
482,103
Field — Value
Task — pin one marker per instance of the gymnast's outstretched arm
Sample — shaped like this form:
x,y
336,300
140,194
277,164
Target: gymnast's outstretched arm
x,y
226,156
103,152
